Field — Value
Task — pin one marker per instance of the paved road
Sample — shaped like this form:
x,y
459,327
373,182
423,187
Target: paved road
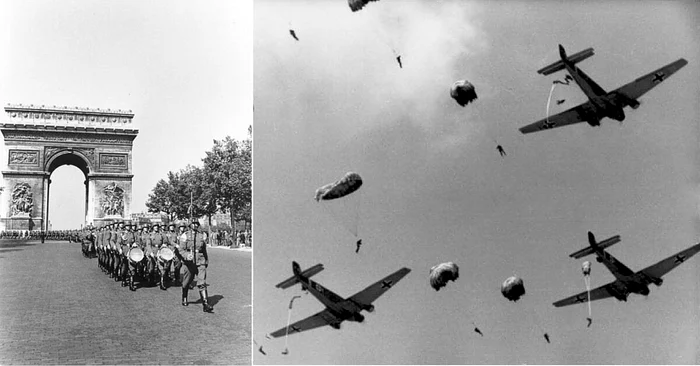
x,y
57,307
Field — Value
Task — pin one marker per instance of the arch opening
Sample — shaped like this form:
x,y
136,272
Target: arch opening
x,y
66,207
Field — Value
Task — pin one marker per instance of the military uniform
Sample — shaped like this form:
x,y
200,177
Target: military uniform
x,y
193,252
116,251
126,239
158,241
98,244
171,238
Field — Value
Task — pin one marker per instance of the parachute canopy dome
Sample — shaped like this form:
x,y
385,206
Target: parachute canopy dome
x,y
463,92
440,274
586,268
343,187
356,5
513,288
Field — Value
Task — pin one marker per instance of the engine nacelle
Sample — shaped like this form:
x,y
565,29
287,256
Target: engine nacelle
x,y
358,317
369,309
335,325
594,122
618,293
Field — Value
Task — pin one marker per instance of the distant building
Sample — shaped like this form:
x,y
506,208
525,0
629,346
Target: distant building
x,y
143,218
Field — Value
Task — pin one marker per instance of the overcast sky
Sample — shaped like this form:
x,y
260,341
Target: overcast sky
x,y
183,68
435,188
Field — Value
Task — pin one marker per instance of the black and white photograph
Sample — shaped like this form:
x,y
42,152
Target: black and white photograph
x,y
125,204
460,182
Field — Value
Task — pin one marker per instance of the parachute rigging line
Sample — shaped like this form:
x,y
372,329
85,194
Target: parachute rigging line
x,y
554,85
588,289
289,318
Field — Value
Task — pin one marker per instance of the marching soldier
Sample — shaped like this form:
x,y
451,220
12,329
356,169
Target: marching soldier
x,y
127,239
193,252
175,264
106,248
160,241
149,253
134,267
180,239
100,249
114,254
118,251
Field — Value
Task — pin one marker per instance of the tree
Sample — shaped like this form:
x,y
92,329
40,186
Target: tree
x,y
228,168
163,197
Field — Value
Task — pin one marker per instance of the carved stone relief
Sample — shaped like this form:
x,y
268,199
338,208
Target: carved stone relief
x,y
113,161
24,157
22,200
50,151
112,201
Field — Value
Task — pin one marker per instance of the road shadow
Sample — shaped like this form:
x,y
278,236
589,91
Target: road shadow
x,y
4,250
213,300
15,245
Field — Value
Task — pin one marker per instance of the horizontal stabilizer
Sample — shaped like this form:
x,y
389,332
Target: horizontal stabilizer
x,y
559,65
291,281
591,249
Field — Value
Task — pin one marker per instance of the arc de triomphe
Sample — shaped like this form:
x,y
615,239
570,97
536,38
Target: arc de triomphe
x,y
39,139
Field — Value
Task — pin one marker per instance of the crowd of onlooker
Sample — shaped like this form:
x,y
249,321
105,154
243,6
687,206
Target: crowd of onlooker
x,y
235,239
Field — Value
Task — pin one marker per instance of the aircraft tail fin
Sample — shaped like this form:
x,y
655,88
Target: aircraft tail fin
x,y
559,65
595,245
291,281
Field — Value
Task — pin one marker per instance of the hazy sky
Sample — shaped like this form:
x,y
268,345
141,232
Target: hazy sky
x,y
183,68
435,188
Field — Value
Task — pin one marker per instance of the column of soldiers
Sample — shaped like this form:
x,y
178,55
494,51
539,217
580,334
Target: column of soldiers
x,y
129,255
69,235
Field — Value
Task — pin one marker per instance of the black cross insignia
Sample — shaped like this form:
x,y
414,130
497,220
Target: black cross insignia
x,y
387,284
295,329
658,77
580,298
680,258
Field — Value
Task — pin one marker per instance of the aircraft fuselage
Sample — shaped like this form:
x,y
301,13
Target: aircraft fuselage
x,y
339,307
627,281
603,106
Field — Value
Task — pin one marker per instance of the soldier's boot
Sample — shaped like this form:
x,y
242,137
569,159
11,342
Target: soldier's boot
x,y
184,296
162,283
125,281
206,307
132,285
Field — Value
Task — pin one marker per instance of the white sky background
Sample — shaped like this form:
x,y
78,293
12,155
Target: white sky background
x,y
183,68
435,188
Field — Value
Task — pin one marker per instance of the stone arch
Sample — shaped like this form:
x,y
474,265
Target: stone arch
x,y
39,139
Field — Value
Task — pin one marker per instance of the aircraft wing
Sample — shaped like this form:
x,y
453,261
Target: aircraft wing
x,y
659,269
596,294
314,321
371,293
568,117
645,83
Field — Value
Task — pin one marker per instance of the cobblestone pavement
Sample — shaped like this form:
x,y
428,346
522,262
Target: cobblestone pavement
x,y
57,307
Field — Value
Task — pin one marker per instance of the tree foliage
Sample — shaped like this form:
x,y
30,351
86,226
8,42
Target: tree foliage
x,y
223,184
